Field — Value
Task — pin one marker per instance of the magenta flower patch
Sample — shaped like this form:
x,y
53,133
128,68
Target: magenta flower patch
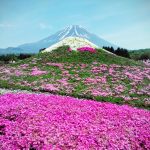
x,y
37,72
45,122
86,48
69,49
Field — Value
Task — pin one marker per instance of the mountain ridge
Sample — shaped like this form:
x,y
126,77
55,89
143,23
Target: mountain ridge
x,y
70,31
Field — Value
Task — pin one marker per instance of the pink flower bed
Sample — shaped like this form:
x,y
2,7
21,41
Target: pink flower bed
x,y
50,87
86,48
45,122
24,66
55,64
37,72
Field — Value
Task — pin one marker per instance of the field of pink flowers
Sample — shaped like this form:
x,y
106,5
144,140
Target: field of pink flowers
x,y
44,122
114,83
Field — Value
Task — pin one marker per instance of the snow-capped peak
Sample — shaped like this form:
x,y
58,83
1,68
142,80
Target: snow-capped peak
x,y
74,31
69,31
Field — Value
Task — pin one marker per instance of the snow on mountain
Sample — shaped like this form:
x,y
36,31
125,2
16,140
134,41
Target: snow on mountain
x,y
70,31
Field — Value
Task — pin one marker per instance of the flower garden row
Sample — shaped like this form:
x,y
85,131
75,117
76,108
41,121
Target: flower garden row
x,y
84,49
68,123
119,84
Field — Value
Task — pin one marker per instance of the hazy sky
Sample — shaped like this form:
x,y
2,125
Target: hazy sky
x,y
125,23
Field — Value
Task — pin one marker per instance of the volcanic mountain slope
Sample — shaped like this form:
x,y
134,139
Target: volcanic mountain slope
x,y
70,31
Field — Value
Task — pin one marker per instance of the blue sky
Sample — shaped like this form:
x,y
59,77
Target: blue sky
x,y
125,23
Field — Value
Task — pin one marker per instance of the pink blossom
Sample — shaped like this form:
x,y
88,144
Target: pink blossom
x,y
55,64
24,66
86,48
50,87
37,72
69,49
38,121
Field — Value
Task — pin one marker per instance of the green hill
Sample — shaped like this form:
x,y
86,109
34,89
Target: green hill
x,y
100,76
136,54
62,55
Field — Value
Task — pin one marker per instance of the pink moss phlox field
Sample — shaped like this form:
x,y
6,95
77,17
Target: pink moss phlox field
x,y
37,72
86,48
131,84
46,122
55,64
50,87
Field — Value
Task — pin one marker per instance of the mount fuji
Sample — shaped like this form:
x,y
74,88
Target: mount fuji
x,y
70,31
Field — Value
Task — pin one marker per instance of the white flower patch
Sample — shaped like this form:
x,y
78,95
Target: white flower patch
x,y
73,42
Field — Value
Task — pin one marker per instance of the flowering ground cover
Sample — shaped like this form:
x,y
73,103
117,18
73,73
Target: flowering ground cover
x,y
95,77
44,122
86,48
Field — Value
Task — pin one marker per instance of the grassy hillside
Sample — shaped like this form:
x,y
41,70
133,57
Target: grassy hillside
x,y
136,54
100,76
63,56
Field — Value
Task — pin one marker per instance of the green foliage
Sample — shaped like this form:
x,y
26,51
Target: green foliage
x,y
119,51
145,56
140,54
7,85
42,49
138,103
7,58
122,52
76,59
62,55
14,57
116,100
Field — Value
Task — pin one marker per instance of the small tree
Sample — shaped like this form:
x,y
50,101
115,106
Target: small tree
x,y
110,49
42,49
24,56
144,56
122,52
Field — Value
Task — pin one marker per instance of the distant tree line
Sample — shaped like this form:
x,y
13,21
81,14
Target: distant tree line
x,y
144,56
119,51
14,57
141,54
